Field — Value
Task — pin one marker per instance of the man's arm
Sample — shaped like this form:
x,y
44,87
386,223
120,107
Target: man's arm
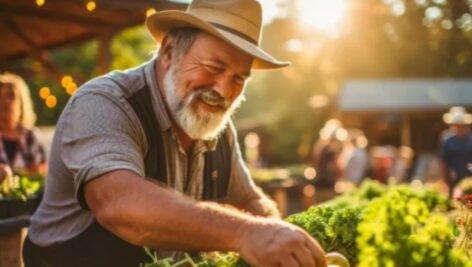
x,y
261,206
143,213
242,192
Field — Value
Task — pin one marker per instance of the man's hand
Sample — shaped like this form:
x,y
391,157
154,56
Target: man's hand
x,y
270,242
5,171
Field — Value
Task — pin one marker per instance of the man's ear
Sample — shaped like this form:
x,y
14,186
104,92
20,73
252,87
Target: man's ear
x,y
165,52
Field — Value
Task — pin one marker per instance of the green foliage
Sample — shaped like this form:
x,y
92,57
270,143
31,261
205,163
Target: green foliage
x,y
213,260
398,230
370,190
374,225
131,48
335,229
395,220
19,187
359,197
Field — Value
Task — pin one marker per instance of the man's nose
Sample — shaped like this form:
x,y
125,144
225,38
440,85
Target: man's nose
x,y
224,87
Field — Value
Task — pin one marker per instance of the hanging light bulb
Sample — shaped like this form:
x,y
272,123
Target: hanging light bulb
x,y
71,88
44,92
40,3
66,80
51,101
91,5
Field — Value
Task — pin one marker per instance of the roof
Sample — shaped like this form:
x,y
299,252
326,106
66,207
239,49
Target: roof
x,y
28,29
404,95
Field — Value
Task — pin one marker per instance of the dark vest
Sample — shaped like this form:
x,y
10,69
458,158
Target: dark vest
x,y
96,246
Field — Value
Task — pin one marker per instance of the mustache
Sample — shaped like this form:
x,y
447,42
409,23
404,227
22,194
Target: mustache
x,y
210,95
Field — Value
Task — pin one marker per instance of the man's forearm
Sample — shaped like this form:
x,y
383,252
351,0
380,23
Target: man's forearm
x,y
149,215
262,206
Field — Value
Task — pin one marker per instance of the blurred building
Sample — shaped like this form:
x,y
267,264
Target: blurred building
x,y
402,112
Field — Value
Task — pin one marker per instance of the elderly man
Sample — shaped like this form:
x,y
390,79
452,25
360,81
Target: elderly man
x,y
169,121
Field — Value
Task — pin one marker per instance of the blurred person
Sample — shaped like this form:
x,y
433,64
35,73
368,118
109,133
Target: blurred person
x,y
456,150
326,155
19,146
353,159
450,131
141,157
381,158
402,164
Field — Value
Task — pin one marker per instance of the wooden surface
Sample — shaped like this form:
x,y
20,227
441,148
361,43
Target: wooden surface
x,y
10,248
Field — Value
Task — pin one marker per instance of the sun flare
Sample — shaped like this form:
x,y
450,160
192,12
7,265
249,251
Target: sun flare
x,y
323,15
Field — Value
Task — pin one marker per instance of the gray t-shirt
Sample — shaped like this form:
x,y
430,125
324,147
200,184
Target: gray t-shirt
x,y
99,132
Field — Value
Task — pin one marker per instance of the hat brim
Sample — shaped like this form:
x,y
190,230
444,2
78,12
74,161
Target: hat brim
x,y
162,22
449,119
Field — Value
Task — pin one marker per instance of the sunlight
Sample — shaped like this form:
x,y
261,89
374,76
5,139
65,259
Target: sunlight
x,y
323,15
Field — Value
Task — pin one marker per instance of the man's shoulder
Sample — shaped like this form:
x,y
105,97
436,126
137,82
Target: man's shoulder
x,y
117,84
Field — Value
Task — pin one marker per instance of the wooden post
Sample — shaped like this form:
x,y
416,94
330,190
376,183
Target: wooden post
x,y
104,55
406,131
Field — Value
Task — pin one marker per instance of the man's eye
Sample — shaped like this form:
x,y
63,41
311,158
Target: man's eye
x,y
213,69
239,80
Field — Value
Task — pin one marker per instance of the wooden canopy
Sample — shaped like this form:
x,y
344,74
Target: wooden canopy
x,y
30,27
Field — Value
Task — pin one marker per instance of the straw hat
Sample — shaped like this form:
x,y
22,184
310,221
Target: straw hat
x,y
238,22
457,116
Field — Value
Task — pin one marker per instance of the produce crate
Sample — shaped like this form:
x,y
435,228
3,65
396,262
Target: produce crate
x,y
11,207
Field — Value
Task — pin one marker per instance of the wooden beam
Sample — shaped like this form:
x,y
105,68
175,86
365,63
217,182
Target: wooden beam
x,y
92,23
143,4
35,51
406,130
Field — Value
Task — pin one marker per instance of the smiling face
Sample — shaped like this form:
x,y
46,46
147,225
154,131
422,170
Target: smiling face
x,y
204,86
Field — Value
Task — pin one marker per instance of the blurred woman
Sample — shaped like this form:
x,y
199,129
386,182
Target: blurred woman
x,y
19,147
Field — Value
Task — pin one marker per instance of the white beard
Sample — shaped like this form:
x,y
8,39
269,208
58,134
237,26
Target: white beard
x,y
196,123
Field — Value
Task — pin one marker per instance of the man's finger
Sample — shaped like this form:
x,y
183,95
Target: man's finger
x,y
305,257
290,262
317,252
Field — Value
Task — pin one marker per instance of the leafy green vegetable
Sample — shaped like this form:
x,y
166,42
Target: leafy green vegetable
x,y
19,187
398,230
205,260
335,229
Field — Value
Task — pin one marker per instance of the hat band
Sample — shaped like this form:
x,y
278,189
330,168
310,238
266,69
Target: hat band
x,y
233,31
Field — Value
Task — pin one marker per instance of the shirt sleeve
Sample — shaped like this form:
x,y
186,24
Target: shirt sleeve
x,y
241,186
99,136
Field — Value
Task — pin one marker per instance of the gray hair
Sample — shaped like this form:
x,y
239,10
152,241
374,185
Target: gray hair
x,y
183,40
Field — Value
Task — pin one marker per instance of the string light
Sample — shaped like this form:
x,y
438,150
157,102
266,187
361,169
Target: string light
x,y
150,11
91,5
51,101
40,2
66,80
71,88
44,92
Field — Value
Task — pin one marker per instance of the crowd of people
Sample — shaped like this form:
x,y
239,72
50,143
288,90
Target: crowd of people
x,y
343,155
